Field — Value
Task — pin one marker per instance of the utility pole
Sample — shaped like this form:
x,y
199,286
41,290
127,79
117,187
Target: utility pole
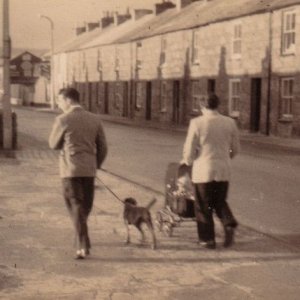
x,y
5,103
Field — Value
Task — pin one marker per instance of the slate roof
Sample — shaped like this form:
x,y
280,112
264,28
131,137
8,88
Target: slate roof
x,y
201,13
116,32
197,14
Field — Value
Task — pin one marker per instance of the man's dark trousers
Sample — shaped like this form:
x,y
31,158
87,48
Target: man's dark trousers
x,y
211,196
79,195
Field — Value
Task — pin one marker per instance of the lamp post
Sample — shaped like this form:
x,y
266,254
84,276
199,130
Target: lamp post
x,y
52,88
5,103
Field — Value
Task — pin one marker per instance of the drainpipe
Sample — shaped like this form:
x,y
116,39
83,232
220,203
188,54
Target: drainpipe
x,y
131,89
269,73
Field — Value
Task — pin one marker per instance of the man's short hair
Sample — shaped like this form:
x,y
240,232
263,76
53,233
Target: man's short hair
x,y
70,93
212,101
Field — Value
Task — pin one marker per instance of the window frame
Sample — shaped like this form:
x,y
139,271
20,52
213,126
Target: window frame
x,y
237,39
285,32
163,50
117,59
138,46
283,98
233,111
196,47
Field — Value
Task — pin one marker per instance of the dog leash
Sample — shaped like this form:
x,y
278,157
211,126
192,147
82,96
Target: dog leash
x,y
110,190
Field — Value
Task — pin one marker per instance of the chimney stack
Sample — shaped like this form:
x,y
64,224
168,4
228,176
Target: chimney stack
x,y
180,4
106,20
119,19
161,7
92,25
80,30
136,14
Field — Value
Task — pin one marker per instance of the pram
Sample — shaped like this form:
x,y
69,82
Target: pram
x,y
179,199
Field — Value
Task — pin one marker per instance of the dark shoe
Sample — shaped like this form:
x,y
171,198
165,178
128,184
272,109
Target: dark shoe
x,y
208,244
229,236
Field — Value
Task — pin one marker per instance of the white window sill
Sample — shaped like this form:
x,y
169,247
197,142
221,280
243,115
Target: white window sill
x,y
236,57
164,110
286,118
163,66
288,53
234,114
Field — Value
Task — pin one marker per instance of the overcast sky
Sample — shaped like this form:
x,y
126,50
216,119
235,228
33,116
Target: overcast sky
x,y
28,31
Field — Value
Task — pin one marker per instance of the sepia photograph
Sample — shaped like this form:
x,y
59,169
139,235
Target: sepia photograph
x,y
149,149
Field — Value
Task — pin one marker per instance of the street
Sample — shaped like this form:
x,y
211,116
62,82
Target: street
x,y
36,234
264,191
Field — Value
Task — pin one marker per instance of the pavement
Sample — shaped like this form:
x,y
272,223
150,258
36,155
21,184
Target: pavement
x,y
36,246
272,143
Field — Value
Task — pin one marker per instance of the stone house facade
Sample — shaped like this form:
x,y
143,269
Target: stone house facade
x,y
247,54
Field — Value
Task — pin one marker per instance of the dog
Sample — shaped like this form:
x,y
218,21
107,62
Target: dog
x,y
137,215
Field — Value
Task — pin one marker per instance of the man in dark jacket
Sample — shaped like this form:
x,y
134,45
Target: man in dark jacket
x,y
79,136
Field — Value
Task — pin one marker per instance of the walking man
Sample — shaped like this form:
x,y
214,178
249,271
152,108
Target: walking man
x,y
79,136
212,141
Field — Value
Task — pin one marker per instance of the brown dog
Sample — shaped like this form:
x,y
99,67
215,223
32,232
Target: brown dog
x,y
136,215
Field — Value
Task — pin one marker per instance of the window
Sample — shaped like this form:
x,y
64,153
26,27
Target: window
x,y
287,95
237,41
138,55
289,32
196,46
99,61
163,50
139,95
117,60
163,97
234,97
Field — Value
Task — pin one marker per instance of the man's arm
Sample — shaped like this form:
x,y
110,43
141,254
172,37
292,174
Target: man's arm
x,y
101,146
235,141
56,139
189,148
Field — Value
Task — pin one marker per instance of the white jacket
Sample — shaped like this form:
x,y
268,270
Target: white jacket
x,y
211,142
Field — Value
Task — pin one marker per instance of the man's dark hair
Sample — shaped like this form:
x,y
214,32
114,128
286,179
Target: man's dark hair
x,y
212,101
70,93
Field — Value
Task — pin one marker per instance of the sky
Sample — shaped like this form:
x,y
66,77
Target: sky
x,y
29,31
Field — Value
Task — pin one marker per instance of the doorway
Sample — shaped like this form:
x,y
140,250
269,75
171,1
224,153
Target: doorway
x,y
255,104
106,98
148,100
176,102
125,100
211,86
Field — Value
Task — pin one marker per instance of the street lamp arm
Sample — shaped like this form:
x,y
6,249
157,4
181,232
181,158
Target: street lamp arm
x,y
49,19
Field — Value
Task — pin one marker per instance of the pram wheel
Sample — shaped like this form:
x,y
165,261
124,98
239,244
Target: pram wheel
x,y
167,229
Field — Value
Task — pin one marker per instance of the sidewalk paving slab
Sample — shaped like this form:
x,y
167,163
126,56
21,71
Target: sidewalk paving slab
x,y
36,238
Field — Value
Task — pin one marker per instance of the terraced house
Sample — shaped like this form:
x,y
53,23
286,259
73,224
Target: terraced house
x,y
157,65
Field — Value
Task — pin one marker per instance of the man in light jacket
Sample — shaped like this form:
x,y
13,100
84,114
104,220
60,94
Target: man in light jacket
x,y
79,136
212,141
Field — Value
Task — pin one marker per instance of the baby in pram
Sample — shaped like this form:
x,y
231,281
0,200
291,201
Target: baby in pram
x,y
180,198
182,202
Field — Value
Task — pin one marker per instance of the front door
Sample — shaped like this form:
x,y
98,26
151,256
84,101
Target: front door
x,y
106,98
255,104
176,102
125,99
148,100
